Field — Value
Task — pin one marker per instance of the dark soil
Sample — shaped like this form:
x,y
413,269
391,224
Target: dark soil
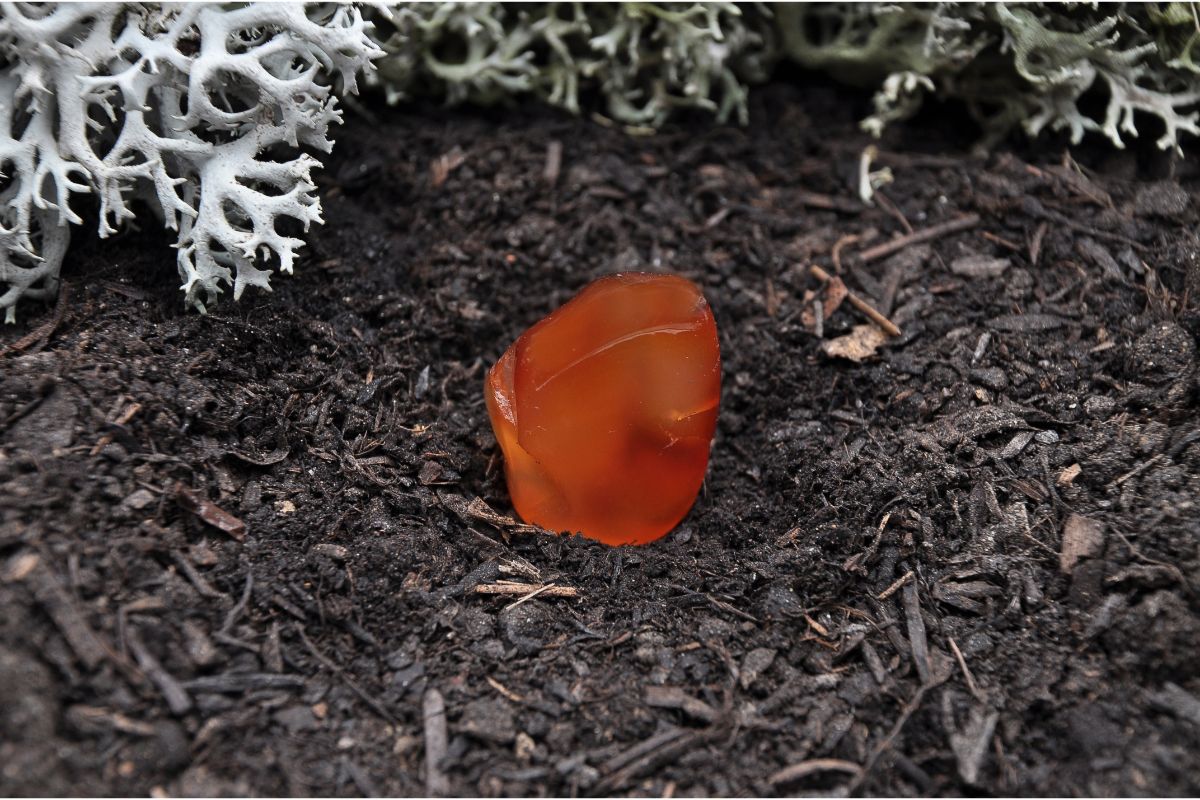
x,y
871,586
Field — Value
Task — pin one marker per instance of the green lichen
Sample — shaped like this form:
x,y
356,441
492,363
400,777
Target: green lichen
x,y
1020,66
646,60
1028,65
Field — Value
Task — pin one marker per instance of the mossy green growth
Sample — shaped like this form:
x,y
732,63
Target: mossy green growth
x,y
1026,66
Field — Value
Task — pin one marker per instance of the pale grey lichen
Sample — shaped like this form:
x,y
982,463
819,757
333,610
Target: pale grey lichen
x,y
1028,65
645,59
1061,65
199,109
203,109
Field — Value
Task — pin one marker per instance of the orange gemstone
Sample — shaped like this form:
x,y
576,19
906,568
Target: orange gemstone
x,y
605,409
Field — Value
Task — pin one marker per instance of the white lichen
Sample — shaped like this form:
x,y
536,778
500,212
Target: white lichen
x,y
200,110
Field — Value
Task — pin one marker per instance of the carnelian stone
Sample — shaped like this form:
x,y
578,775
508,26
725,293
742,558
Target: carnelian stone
x,y
605,409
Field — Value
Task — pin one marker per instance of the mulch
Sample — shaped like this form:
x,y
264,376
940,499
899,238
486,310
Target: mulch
x,y
270,550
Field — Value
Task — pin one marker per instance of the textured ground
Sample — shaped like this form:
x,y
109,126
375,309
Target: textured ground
x,y
967,564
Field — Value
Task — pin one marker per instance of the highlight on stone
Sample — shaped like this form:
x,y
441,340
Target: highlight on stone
x,y
605,410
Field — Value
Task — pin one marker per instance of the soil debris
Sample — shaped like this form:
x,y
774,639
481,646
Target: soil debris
x,y
870,596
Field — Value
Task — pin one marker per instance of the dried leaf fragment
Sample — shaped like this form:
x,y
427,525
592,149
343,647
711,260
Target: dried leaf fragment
x,y
210,512
861,343
1083,537
1068,475
832,295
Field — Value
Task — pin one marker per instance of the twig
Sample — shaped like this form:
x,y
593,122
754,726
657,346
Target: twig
x,y
811,767
730,608
1138,470
340,673
92,716
127,415
1040,211
433,716
45,330
836,252
1000,240
816,626
642,748
926,234
1035,243
828,202
504,690
883,322
172,691
962,663
892,209
888,740
236,612
895,587
655,750
1171,568
536,592
193,575
547,589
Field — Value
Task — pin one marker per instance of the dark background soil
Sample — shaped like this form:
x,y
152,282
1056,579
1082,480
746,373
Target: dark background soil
x,y
341,419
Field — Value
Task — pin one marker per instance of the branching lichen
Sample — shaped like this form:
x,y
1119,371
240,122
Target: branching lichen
x,y
645,59
206,111
1023,66
199,109
1028,65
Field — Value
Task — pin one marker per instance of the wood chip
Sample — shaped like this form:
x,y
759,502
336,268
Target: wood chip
x,y
979,267
172,691
676,698
970,745
1015,445
1026,323
1178,701
59,604
210,512
20,566
437,739
916,631
280,452
478,510
550,172
441,167
1082,538
1068,475
755,663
